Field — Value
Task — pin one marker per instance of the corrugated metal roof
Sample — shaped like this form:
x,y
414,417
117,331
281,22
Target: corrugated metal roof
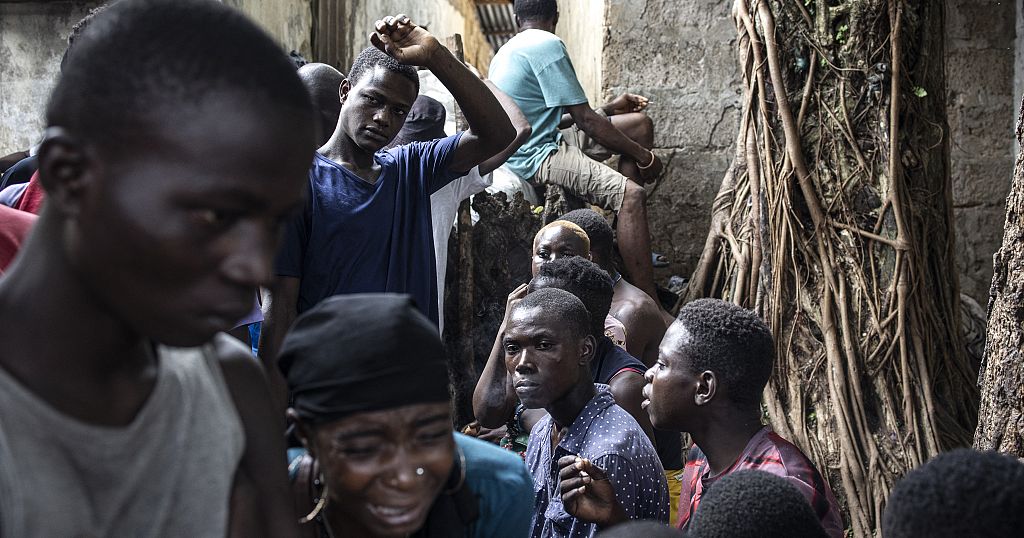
x,y
498,22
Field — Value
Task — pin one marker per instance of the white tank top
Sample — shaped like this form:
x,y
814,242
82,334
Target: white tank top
x,y
168,473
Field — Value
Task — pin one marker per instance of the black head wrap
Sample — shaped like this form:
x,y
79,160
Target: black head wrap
x,y
358,353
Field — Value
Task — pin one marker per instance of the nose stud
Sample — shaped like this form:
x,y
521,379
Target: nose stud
x,y
419,471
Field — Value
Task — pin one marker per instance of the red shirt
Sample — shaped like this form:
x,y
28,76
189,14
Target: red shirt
x,y
32,199
767,452
14,228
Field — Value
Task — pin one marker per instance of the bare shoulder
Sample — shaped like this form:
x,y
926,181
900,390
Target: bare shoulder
x,y
634,304
242,372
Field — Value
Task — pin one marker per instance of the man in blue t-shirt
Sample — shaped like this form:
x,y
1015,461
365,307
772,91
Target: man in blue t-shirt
x,y
366,225
535,70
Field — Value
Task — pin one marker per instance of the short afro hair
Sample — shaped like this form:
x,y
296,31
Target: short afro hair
x,y
754,504
563,306
584,279
77,30
535,10
960,493
731,341
371,57
141,63
602,238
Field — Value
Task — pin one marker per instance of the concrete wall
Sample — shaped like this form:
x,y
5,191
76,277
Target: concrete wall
x,y
982,109
442,17
583,27
680,54
289,21
33,37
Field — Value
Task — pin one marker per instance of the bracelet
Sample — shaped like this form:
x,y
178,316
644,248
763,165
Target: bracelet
x,y
650,164
515,426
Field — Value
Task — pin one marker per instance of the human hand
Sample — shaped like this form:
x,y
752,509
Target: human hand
x,y
625,103
472,429
587,493
400,38
512,300
492,435
650,172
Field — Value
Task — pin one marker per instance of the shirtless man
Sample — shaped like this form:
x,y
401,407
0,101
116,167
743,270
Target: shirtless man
x,y
178,139
643,320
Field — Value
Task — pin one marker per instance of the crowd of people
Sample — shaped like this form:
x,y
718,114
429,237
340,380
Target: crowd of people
x,y
193,190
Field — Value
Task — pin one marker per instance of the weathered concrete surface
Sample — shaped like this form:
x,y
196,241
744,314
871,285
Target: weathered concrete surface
x,y
581,25
33,37
982,104
680,54
442,17
289,21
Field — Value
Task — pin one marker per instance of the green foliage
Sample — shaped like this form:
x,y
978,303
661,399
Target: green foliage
x,y
842,33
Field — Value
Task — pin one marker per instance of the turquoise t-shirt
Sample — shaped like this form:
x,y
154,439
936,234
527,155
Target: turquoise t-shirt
x,y
503,487
534,69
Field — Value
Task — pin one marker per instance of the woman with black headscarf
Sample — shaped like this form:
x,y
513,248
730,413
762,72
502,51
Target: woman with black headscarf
x,y
370,401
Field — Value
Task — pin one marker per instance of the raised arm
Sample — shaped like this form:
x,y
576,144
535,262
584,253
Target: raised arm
x,y
494,398
519,122
490,130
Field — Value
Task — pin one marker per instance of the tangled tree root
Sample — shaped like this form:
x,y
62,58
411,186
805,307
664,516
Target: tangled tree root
x,y
835,223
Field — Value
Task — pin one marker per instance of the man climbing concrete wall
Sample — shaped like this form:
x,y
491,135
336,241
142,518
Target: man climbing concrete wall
x,y
680,54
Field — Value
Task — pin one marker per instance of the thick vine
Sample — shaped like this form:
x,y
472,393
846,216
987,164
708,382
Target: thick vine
x,y
835,223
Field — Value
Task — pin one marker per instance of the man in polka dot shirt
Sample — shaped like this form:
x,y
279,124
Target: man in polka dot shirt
x,y
586,438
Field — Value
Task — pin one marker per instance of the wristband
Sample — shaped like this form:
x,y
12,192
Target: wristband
x,y
650,164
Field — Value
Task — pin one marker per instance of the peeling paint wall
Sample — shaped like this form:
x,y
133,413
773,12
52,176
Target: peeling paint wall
x,y
982,101
441,17
680,54
33,36
290,22
582,26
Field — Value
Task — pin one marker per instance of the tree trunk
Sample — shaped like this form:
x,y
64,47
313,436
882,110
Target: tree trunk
x,y
1001,417
835,224
501,249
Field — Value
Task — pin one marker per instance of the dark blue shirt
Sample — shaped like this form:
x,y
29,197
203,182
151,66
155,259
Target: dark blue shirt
x,y
610,359
605,434
360,237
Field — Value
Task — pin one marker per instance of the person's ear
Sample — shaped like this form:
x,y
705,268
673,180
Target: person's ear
x,y
519,23
302,431
587,349
343,90
66,170
707,385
